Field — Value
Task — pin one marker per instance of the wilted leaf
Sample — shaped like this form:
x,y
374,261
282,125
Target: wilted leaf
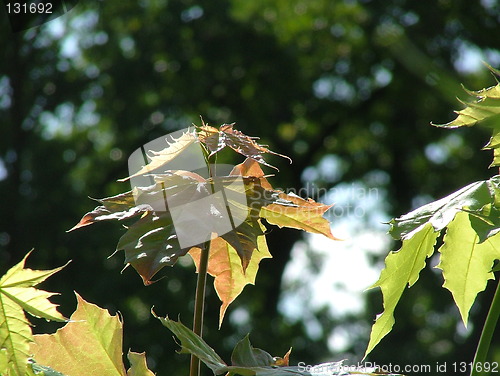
x,y
90,344
17,293
466,263
401,268
225,266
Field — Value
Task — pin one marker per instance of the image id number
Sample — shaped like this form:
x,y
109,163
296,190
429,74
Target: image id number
x,y
29,8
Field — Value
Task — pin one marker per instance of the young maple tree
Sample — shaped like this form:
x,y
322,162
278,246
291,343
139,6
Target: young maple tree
x,y
151,243
231,257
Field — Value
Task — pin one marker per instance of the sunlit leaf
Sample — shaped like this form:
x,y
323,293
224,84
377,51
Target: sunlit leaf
x,y
467,268
295,212
161,158
402,268
18,293
484,110
251,168
90,344
441,212
466,263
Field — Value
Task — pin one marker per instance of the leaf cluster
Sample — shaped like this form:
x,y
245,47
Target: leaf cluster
x,y
469,219
152,241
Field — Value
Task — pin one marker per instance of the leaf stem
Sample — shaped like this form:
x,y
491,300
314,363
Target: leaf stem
x,y
199,303
486,336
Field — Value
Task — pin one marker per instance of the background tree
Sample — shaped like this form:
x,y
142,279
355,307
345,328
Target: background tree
x,y
356,81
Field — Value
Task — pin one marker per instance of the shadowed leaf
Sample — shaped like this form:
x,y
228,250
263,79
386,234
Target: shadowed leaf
x,y
248,358
244,354
194,344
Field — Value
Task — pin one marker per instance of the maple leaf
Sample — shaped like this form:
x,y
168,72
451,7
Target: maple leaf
x,y
466,262
484,110
18,293
402,268
225,266
471,244
163,157
296,212
151,242
90,344
215,140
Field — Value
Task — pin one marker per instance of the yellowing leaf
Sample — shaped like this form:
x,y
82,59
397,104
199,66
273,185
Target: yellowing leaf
x,y
251,168
90,344
224,264
466,263
298,213
17,292
401,268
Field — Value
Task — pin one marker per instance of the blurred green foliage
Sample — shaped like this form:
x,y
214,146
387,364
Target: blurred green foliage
x,y
358,80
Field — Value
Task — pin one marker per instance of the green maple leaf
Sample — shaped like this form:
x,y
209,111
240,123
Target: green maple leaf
x,y
484,110
90,344
466,262
402,268
470,247
18,294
